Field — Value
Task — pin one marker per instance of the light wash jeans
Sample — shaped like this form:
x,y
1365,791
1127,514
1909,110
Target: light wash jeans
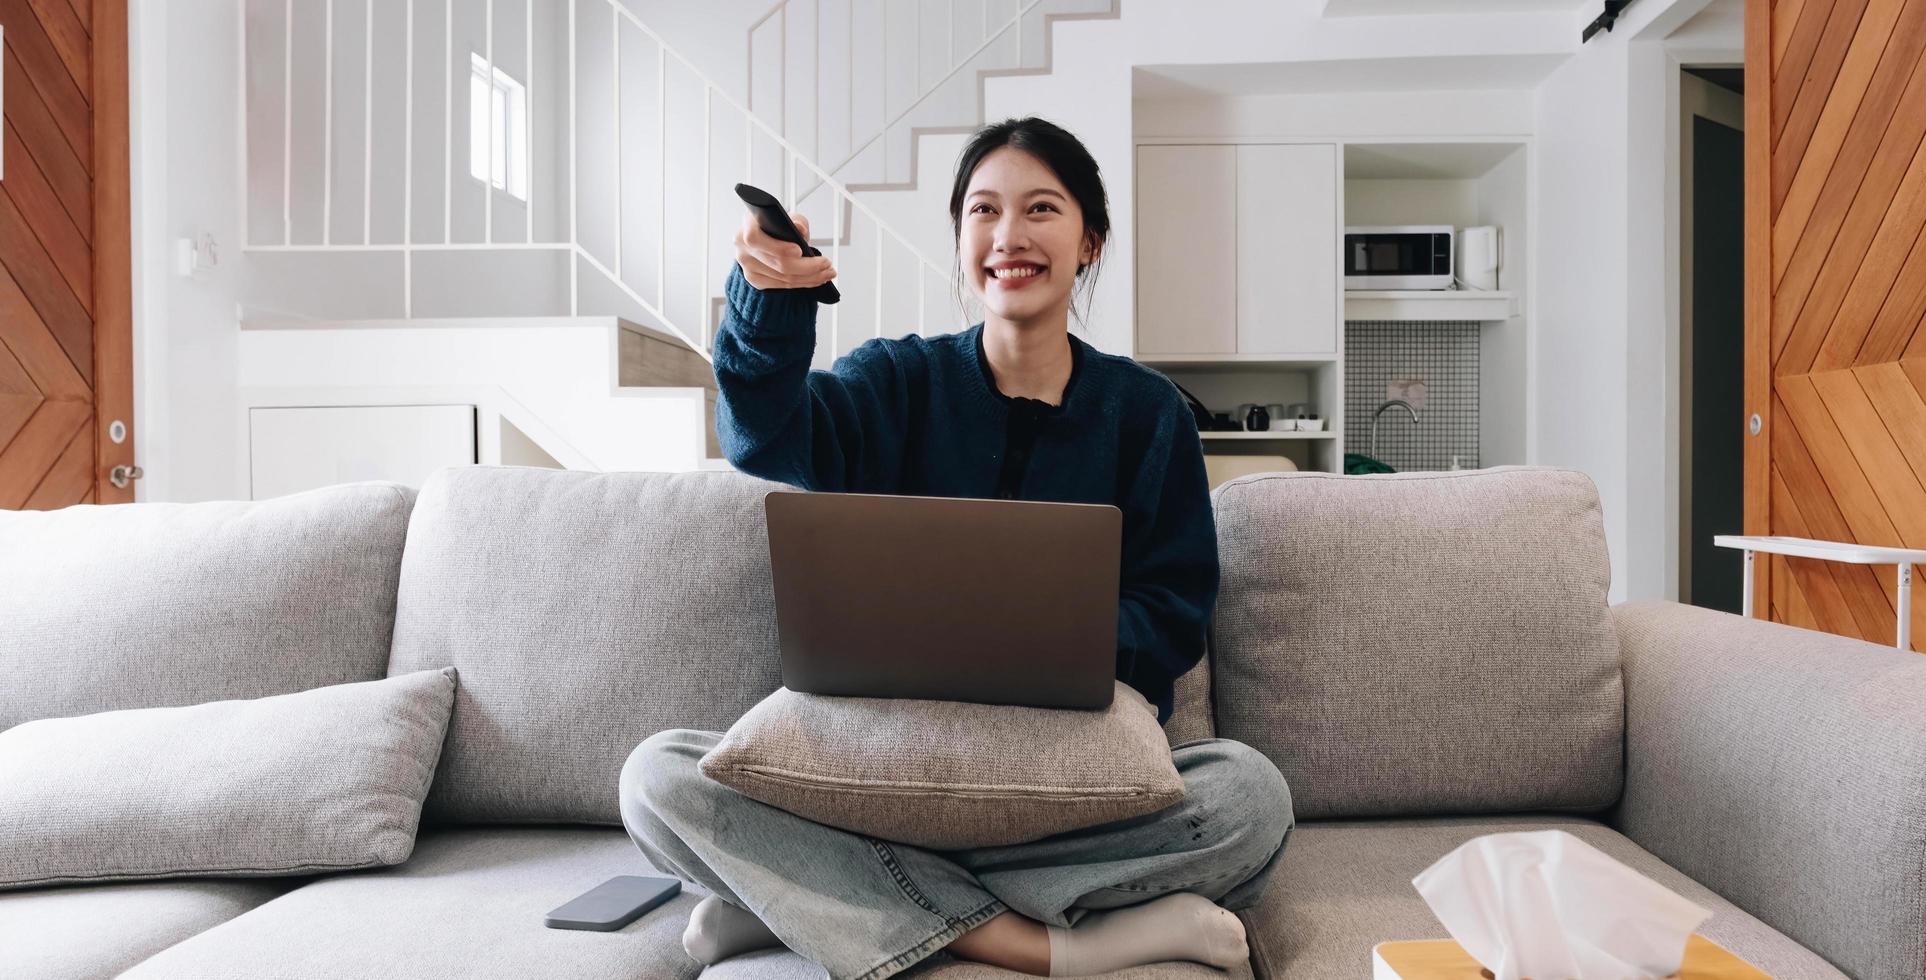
x,y
865,908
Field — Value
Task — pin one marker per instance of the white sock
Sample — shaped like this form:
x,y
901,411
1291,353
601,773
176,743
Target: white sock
x,y
1178,926
718,930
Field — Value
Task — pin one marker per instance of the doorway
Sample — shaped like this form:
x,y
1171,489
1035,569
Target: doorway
x,y
1712,418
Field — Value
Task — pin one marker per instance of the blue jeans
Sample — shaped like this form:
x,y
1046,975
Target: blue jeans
x,y
865,908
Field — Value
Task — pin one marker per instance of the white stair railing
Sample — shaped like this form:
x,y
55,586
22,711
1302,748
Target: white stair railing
x,y
892,266
993,39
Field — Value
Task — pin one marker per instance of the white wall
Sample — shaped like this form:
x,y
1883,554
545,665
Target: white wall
x,y
1410,202
1412,113
1505,397
1606,353
185,71
1581,356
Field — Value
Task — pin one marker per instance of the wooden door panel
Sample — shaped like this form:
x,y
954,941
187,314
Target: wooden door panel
x,y
69,38
1915,368
65,255
1858,267
1841,130
1874,451
1785,14
1794,609
70,476
28,116
1902,409
1861,331
1802,39
46,290
1898,92
45,363
1835,298
42,211
1899,312
1843,224
1828,608
1793,122
64,95
32,452
1848,94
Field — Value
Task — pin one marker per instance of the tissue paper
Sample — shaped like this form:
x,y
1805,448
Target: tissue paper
x,y
1548,906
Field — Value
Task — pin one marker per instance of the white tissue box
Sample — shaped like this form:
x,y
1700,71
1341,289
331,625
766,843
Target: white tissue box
x,y
1444,959
1545,905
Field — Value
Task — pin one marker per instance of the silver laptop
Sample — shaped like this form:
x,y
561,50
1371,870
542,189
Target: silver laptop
x,y
992,601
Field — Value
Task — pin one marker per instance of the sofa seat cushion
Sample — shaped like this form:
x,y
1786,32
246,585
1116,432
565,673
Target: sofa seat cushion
x,y
155,605
1345,886
83,932
781,964
469,903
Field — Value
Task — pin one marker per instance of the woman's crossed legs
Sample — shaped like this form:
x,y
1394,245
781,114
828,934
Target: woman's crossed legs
x,y
866,909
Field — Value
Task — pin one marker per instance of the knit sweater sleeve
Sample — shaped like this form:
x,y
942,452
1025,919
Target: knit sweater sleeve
x,y
1169,569
836,430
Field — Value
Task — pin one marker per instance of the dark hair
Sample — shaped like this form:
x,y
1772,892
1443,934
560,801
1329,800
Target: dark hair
x,y
1066,157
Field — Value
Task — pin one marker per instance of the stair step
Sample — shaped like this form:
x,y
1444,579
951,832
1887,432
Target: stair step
x,y
650,358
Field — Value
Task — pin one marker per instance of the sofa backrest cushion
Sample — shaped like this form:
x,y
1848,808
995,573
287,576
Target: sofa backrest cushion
x,y
1420,643
586,611
149,605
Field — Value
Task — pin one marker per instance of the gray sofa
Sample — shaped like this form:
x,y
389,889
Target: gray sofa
x,y
1427,657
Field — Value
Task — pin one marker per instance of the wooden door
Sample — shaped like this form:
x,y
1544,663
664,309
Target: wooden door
x,y
1835,108
66,342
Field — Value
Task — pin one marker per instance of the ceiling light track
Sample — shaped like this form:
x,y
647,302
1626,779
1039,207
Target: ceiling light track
x,y
1604,20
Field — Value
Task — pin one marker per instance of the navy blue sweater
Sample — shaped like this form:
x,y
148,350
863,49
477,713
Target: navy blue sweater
x,y
923,416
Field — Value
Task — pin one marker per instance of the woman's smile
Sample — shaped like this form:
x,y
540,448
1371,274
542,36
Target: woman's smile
x,y
1014,275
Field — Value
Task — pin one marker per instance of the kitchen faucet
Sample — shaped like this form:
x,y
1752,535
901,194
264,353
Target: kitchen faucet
x,y
1401,403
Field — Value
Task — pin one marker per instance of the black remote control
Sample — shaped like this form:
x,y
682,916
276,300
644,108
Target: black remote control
x,y
775,223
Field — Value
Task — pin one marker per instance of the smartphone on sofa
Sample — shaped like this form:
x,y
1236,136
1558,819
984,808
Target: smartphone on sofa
x,y
614,903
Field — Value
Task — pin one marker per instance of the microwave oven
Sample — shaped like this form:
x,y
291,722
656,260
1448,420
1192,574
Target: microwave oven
x,y
1397,257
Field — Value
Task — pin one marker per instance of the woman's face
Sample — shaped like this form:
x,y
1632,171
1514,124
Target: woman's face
x,y
1021,237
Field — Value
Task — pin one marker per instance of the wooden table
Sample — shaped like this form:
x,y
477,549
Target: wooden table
x,y
1444,959
1840,551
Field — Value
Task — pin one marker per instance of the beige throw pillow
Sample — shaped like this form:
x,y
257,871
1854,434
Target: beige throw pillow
x,y
949,774
323,780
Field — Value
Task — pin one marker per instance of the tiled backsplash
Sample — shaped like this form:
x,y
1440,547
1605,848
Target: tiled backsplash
x,y
1442,355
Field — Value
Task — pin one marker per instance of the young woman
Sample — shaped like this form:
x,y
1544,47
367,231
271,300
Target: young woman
x,y
1014,407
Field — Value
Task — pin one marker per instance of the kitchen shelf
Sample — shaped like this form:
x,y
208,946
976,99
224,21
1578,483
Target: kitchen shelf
x,y
1428,304
1238,362
1269,436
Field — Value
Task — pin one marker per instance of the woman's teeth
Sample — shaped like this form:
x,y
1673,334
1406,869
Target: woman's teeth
x,y
1015,273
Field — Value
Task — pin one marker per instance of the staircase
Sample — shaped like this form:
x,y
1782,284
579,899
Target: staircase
x,y
393,227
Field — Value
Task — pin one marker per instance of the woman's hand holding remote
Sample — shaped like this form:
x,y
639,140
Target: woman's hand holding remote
x,y
769,263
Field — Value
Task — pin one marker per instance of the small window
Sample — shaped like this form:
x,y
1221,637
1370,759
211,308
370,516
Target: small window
x,y
497,128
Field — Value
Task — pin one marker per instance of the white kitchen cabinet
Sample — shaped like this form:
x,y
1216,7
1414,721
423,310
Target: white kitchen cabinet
x,y
1186,250
1287,248
1237,249
300,448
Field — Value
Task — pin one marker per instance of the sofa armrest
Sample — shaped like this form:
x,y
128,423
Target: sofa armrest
x,y
1786,770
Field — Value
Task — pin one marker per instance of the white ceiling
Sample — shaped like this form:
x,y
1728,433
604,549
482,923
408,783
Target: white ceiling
x,y
1423,161
1392,8
1437,74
